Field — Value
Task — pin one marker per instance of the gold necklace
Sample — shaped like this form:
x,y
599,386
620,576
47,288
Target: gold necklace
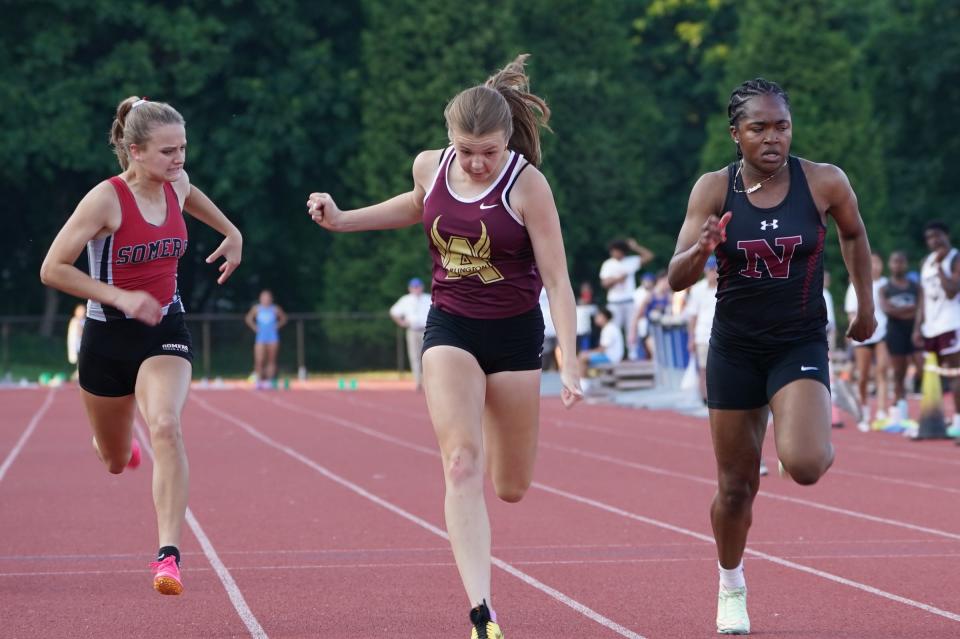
x,y
758,185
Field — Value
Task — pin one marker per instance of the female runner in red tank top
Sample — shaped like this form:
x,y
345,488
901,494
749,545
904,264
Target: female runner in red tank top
x,y
494,232
764,217
136,351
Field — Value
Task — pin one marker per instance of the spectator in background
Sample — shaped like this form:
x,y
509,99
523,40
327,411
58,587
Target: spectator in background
x,y
638,328
899,298
610,350
74,333
618,277
831,312
656,305
874,347
585,311
938,321
265,319
551,354
410,312
700,309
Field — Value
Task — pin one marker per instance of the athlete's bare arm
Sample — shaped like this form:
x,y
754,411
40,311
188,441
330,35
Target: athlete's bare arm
x,y
281,317
399,211
248,318
701,232
533,201
199,206
951,283
97,216
834,196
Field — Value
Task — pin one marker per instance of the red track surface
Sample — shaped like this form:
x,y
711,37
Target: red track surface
x,y
322,516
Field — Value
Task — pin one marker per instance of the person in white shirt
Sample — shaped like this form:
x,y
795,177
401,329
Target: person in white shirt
x,y
585,311
410,312
618,277
863,352
551,358
937,328
610,350
638,328
700,308
831,312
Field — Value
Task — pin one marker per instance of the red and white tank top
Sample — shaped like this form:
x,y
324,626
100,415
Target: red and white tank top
x,y
483,262
139,256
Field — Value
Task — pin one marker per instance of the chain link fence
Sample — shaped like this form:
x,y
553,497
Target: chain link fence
x,y
223,345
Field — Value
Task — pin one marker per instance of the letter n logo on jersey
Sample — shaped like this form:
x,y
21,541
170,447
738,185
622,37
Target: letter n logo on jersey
x,y
778,266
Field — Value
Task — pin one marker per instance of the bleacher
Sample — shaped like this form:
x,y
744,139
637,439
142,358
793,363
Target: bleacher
x,y
627,375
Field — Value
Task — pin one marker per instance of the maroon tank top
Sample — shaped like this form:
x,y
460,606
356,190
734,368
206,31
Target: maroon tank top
x,y
483,262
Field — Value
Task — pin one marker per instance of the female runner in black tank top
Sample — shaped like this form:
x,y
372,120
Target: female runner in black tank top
x,y
765,217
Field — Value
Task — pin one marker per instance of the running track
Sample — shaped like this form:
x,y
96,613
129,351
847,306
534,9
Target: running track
x,y
319,514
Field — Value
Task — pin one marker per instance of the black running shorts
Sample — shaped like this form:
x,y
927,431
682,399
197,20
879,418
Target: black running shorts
x,y
508,344
111,352
741,380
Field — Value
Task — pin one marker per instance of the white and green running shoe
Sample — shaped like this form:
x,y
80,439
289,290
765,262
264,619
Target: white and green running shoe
x,y
732,616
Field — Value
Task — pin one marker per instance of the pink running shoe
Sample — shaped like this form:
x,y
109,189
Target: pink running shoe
x,y
135,455
166,576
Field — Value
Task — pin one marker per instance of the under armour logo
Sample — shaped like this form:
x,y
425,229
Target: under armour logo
x,y
764,225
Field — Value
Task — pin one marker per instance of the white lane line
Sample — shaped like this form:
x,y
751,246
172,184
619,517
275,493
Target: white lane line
x,y
233,591
12,455
700,536
749,551
397,510
894,480
711,560
609,459
638,466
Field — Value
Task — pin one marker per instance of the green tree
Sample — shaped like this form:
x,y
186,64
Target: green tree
x,y
257,84
917,105
415,57
811,48
603,119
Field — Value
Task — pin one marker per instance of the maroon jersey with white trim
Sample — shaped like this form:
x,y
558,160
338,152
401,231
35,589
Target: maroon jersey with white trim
x,y
483,262
139,256
770,288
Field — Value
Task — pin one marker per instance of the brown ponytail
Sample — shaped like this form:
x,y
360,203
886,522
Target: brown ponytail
x,y
502,103
132,124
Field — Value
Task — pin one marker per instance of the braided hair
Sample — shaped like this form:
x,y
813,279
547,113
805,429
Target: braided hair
x,y
750,89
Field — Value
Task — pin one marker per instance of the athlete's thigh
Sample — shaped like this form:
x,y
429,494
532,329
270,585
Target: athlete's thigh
x,y
111,419
162,385
454,385
511,422
738,440
801,418
259,352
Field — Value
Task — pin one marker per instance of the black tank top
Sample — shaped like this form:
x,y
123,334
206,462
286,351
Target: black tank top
x,y
899,297
770,289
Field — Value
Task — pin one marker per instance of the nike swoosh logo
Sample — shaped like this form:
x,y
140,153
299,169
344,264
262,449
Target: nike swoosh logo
x,y
804,369
488,206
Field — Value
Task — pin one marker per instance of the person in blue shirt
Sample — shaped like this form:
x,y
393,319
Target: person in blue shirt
x,y
265,319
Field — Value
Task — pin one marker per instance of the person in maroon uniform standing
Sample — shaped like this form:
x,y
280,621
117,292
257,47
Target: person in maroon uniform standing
x,y
764,216
494,234
136,351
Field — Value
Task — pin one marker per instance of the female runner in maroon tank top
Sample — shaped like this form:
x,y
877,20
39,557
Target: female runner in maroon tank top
x,y
136,350
765,218
493,230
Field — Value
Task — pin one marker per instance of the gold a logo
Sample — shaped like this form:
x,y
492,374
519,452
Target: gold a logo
x,y
462,259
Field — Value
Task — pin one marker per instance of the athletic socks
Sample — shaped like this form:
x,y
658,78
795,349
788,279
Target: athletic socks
x,y
168,551
732,578
956,421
